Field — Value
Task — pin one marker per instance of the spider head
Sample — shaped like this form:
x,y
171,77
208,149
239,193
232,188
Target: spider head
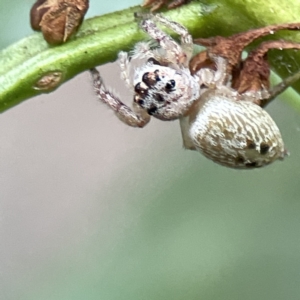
x,y
164,92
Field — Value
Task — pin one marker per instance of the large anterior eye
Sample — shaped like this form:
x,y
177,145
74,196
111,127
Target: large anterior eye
x,y
151,78
170,85
141,89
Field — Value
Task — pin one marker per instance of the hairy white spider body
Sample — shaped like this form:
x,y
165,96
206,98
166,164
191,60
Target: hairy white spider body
x,y
233,133
227,127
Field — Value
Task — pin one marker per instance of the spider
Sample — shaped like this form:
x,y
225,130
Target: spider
x,y
216,96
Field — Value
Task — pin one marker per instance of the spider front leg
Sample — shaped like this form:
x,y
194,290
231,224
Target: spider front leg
x,y
211,78
124,65
135,119
185,38
176,54
281,87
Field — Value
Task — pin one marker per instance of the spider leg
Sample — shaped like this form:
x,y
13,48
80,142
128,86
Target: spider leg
x,y
177,54
185,128
143,50
124,65
123,112
212,78
281,87
221,76
185,38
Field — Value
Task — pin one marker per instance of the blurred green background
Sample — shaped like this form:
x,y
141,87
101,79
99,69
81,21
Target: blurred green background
x,y
91,209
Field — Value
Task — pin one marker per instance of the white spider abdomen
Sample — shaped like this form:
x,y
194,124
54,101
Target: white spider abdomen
x,y
236,134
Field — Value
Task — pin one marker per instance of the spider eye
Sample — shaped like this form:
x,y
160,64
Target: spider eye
x,y
141,89
150,79
170,85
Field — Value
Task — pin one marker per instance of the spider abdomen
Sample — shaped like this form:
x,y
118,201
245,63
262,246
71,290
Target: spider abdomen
x,y
237,134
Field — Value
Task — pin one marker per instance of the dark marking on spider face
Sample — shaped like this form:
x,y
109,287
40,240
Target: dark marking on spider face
x,y
264,148
158,97
152,110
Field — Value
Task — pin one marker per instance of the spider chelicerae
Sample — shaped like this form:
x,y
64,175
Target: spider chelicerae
x,y
216,96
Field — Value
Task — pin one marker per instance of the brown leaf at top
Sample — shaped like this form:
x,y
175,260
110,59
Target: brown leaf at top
x,y
253,73
157,4
257,68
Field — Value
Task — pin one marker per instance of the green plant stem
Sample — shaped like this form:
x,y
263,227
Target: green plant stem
x,y
101,38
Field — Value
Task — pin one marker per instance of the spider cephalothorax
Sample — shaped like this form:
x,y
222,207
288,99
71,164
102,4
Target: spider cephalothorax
x,y
165,92
217,99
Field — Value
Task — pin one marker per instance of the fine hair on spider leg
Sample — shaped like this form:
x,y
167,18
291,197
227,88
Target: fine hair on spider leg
x,y
123,112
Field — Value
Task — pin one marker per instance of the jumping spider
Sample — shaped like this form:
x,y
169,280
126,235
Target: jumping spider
x,y
216,96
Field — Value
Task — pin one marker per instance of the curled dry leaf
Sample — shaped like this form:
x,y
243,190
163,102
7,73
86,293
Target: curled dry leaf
x,y
58,19
251,74
157,4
